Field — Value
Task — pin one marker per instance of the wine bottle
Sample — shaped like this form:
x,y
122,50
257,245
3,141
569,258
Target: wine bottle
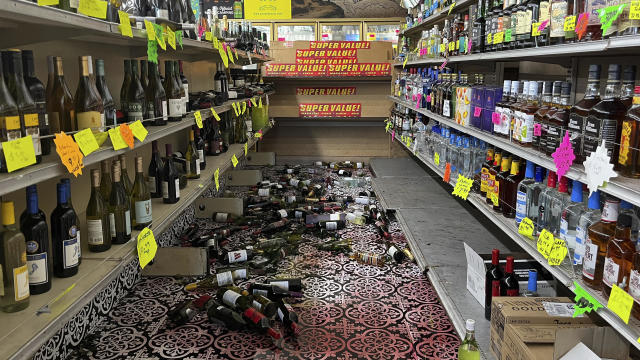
x,y
12,67
233,297
13,257
88,108
156,98
67,183
287,284
50,77
183,96
170,179
185,86
220,82
109,106
264,305
135,95
144,72
288,316
97,215
232,257
154,180
124,90
492,282
260,323
9,118
60,103
215,140
201,148
105,183
172,92
231,319
36,233
124,176
23,217
192,159
119,212
94,88
140,199
37,91
160,9
509,284
64,239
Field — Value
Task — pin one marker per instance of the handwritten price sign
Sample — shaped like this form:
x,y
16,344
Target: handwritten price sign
x,y
147,247
462,187
69,153
19,153
526,228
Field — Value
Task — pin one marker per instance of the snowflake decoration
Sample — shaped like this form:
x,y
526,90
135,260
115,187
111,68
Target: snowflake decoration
x,y
563,156
598,168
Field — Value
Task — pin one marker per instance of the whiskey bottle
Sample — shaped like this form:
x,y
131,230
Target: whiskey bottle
x,y
591,215
629,153
502,128
553,107
598,236
491,176
557,124
516,112
579,112
619,257
628,84
527,113
539,142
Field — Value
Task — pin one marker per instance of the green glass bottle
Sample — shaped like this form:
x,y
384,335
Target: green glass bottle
x,y
13,257
119,214
97,215
469,350
192,158
124,176
140,199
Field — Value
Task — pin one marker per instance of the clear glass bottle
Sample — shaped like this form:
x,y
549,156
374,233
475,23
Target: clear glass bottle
x,y
557,204
97,215
570,218
591,215
119,209
13,257
469,349
545,201
141,199
522,193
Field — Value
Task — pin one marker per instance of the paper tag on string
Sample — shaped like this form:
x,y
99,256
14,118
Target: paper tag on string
x,y
253,102
198,117
598,168
634,10
86,141
116,139
215,114
535,29
230,54
436,158
258,134
171,38
234,160
125,24
244,107
563,156
151,32
147,247
545,243
526,228
447,173
260,103
159,33
19,153
179,38
138,130
127,135
451,8
404,63
462,187
216,178
69,153
620,303
93,8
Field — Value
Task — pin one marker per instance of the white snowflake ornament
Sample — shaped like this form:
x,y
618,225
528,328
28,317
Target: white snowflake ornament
x,y
598,168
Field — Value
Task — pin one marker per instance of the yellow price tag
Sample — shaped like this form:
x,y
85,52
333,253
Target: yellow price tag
x,y
634,10
489,38
147,247
223,56
498,38
215,42
216,178
246,148
234,160
93,8
116,139
451,8
442,48
86,141
558,252
101,137
125,24
545,243
570,23
230,54
253,101
526,228
535,29
151,32
19,153
208,36
244,107
452,46
138,130
235,109
198,117
48,2
215,114
260,103
436,159
494,198
404,63
171,38
620,303
462,187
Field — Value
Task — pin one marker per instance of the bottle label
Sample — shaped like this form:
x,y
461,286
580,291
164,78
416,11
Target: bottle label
x,y
634,286
294,182
263,192
89,120
175,107
513,292
331,225
70,253
253,315
165,112
260,292
217,86
225,278
21,282
151,184
545,11
558,13
38,268
280,314
94,231
237,256
298,214
291,199
589,261
521,206
256,305
579,251
446,109
596,130
495,287
625,139
610,211
564,228
240,274
134,111
127,222
230,297
112,224
610,272
392,250
165,190
177,182
222,217
143,212
526,128
283,213
160,13
484,177
284,285
200,157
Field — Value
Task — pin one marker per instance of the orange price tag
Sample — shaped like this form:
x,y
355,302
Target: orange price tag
x,y
127,135
69,153
447,173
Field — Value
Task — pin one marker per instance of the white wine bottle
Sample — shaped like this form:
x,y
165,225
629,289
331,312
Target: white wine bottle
x,y
98,233
140,199
88,106
119,214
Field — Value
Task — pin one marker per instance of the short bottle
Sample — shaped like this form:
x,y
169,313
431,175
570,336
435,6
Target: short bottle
x,y
469,349
492,282
13,256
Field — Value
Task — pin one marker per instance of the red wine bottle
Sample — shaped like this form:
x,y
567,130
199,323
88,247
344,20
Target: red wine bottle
x,y
492,282
509,284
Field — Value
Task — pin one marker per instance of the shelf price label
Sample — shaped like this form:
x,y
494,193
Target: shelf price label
x,y
230,54
198,117
545,243
598,168
19,153
152,51
558,252
584,301
620,303
535,29
253,102
608,15
235,109
86,141
476,111
462,187
507,35
223,56
125,24
147,247
498,38
151,33
563,156
451,8
216,178
489,38
69,153
179,38
244,107
116,139
526,228
260,103
93,8
570,23
581,25
537,129
215,114
48,2
171,38
138,130
436,158
494,198
634,10
234,160
159,34
447,173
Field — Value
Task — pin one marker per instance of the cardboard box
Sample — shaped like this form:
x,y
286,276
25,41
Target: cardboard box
x,y
477,265
546,342
529,311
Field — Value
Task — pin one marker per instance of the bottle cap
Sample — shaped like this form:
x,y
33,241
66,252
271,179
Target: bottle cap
x,y
624,220
576,191
8,216
470,325
62,193
628,74
594,200
594,72
566,88
614,72
563,185
539,174
532,285
529,172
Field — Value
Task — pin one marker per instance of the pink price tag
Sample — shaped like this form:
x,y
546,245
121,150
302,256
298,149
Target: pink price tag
x,y
444,64
469,46
418,103
563,156
477,111
224,46
393,135
413,97
495,118
543,25
249,103
537,129
200,31
325,36
428,98
281,39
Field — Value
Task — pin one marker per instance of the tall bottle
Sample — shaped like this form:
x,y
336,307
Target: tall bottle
x,y
135,96
598,236
124,176
64,236
557,124
144,74
9,118
192,158
170,179
629,153
505,168
97,215
154,179
201,147
37,91
156,98
509,284
183,95
124,90
140,199
220,82
60,106
540,141
544,201
50,76
109,106
492,282
619,257
185,86
591,215
27,110
13,257
88,107
511,189
528,112
172,92
469,349
119,209
105,183
571,217
579,112
36,233
558,202
524,193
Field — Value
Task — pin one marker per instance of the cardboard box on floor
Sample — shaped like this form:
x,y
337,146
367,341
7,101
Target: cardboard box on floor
x,y
529,311
551,342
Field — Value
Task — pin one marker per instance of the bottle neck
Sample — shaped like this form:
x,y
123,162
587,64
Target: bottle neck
x,y
470,335
612,90
593,89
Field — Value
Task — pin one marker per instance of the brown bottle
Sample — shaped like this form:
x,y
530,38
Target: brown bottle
x,y
511,189
527,114
491,178
579,112
634,285
598,236
484,173
617,263
539,142
558,122
516,112
629,155
505,168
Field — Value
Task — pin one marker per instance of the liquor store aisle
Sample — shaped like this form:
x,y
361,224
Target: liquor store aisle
x,y
347,310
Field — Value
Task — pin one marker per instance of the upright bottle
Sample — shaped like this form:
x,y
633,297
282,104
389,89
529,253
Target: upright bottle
x,y
598,236
60,106
154,179
619,257
109,106
557,124
505,168
27,110
201,147
37,91
98,225
124,176
532,284
220,82
124,90
523,192
469,349
628,84
172,92
9,118
528,112
170,179
183,95
64,236
105,183
135,96
13,257
185,86
558,202
511,189
492,282
509,284
192,158
591,215
88,106
156,98
571,216
545,200
579,112
119,209
144,74
539,141
628,156
36,233
141,199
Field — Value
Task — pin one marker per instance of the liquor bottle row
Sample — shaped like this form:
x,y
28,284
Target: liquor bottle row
x,y
495,25
237,34
538,113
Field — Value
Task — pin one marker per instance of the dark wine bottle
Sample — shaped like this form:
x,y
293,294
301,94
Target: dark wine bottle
x,y
124,90
25,213
37,91
231,319
97,215
192,160
172,92
170,179
509,284
124,175
200,147
67,183
185,86
220,82
36,234
288,316
183,94
144,74
135,95
64,237
492,282
119,209
156,98
109,106
50,77
154,179
140,199
105,183
60,103
287,284
233,297
9,118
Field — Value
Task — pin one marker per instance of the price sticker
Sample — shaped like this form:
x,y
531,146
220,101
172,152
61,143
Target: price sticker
x,y
452,46
537,129
223,56
489,38
48,2
215,114
116,139
151,33
442,48
147,247
495,118
462,187
507,35
253,102
138,130
216,178
526,228
171,38
160,36
584,301
393,135
498,38
535,29
563,156
436,158
447,173
570,23
208,36
494,198
127,135
246,148
581,26
101,137
388,126
86,141
152,51
19,153
609,15
404,63
476,111
545,243
93,8
69,153
634,10
230,54
234,160
558,252
620,303
244,107
125,24
451,8
198,117
598,168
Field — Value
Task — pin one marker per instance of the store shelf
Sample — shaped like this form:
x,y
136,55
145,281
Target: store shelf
x,y
620,45
435,18
25,332
563,273
620,187
51,167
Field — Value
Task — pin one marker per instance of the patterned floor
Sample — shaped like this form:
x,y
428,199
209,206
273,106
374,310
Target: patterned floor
x,y
349,311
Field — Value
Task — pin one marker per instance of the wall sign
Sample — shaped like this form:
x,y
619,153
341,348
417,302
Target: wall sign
x,y
326,91
350,110
267,9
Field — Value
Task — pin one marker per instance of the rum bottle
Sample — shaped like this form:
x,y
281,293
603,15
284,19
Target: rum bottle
x,y
598,236
619,257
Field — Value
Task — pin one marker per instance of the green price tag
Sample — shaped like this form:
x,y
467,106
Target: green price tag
x,y
507,35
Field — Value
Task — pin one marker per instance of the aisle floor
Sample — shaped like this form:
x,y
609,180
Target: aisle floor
x,y
349,311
